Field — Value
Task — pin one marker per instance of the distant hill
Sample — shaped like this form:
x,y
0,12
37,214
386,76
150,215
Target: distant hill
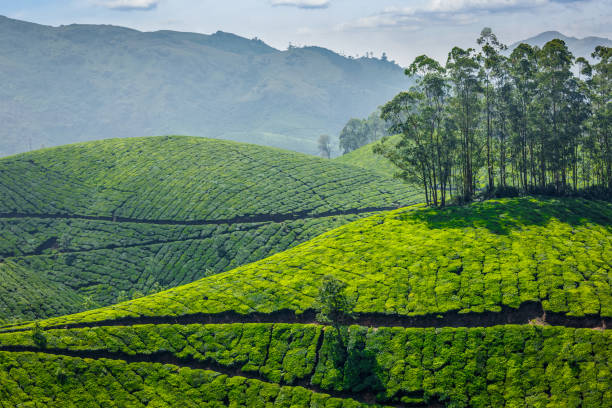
x,y
84,82
580,47
102,221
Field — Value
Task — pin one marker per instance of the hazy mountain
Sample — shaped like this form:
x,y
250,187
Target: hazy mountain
x,y
82,82
580,47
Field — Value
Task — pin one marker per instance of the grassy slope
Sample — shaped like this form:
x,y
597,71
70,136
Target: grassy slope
x,y
425,261
410,261
176,180
366,159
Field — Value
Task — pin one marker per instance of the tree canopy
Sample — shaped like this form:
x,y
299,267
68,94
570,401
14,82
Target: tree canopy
x,y
504,124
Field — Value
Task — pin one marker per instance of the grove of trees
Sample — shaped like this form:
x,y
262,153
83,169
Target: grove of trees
x,y
536,120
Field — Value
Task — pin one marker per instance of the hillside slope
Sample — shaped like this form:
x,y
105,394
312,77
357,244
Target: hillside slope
x,y
436,291
494,256
119,218
365,158
85,82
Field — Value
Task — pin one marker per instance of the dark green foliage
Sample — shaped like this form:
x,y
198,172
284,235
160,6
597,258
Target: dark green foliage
x,y
332,303
38,337
25,295
477,367
359,132
36,379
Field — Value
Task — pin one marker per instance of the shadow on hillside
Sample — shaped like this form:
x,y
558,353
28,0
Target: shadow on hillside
x,y
500,217
356,367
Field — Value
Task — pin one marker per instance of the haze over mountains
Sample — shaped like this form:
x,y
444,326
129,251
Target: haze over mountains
x,y
580,47
84,82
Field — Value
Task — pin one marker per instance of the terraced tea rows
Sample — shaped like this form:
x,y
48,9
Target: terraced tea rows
x,y
32,379
117,219
108,262
532,261
426,262
478,367
25,294
186,178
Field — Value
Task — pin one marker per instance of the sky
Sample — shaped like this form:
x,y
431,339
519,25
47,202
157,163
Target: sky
x,y
401,29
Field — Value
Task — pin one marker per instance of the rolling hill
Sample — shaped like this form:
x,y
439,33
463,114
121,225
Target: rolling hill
x,y
365,158
110,220
455,309
84,82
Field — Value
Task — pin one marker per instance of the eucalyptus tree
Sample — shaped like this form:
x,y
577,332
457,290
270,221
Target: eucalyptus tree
x,y
556,63
523,69
324,145
542,121
601,91
463,69
493,74
423,153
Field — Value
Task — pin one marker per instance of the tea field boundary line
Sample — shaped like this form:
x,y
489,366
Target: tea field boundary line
x,y
525,314
242,219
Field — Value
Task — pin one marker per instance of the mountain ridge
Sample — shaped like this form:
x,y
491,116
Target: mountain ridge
x,y
580,47
84,82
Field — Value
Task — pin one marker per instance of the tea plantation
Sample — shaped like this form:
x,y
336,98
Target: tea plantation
x,y
435,291
514,365
116,219
486,257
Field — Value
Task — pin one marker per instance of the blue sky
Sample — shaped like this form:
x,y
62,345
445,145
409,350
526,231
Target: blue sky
x,y
402,29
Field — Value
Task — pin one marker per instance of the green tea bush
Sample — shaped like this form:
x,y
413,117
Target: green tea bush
x,y
30,379
421,261
211,179
508,365
174,180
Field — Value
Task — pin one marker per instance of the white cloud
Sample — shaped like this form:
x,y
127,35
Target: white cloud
x,y
303,4
128,5
455,11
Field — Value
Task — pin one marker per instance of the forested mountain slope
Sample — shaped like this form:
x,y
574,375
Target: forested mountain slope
x,y
454,310
85,82
119,218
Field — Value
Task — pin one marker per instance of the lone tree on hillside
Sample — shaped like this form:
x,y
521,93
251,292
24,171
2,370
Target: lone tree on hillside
x,y
325,146
334,306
